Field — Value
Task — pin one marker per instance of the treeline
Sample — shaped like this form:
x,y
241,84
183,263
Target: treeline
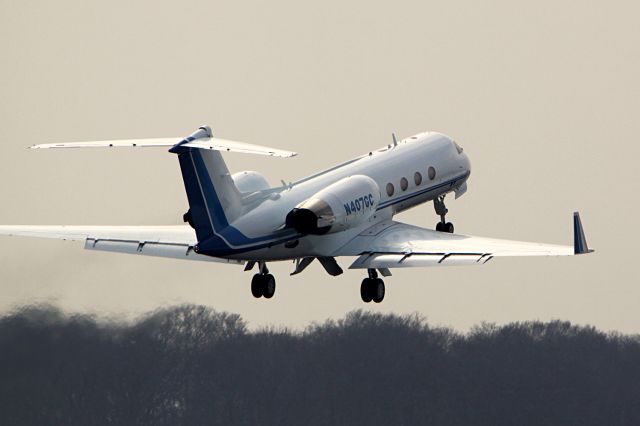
x,y
191,365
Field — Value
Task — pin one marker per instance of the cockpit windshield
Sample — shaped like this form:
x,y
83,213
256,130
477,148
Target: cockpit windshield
x,y
458,147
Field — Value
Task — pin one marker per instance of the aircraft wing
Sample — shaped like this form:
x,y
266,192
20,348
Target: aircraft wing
x,y
398,245
162,241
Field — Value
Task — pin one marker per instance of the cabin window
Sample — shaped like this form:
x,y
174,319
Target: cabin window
x,y
390,189
431,172
417,178
404,184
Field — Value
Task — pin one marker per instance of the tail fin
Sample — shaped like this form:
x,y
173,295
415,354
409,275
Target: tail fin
x,y
214,200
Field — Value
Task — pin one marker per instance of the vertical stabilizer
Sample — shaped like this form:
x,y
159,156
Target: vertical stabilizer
x,y
214,200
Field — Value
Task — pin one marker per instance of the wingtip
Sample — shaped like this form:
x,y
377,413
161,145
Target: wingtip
x,y
41,146
579,241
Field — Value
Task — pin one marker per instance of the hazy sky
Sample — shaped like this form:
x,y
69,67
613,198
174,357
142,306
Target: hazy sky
x,y
544,97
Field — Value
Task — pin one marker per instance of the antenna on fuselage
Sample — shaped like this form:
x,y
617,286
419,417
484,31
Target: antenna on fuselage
x,y
395,141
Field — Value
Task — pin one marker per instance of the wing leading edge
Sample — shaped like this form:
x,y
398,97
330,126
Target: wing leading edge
x,y
398,245
174,242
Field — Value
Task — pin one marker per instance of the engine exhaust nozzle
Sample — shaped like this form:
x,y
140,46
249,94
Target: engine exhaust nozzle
x,y
305,221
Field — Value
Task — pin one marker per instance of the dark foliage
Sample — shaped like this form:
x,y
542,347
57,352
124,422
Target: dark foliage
x,y
191,365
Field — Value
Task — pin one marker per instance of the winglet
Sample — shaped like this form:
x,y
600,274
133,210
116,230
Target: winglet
x,y
579,241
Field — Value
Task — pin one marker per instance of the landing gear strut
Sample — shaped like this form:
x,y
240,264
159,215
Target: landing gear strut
x,y
372,288
263,284
441,210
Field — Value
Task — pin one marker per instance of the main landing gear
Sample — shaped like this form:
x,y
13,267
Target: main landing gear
x,y
441,210
372,288
263,284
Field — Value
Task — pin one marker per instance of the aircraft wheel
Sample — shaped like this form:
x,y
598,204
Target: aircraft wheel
x,y
365,290
269,286
377,290
440,227
257,286
448,227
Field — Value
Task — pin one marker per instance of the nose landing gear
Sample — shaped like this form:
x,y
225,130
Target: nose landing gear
x,y
441,210
372,288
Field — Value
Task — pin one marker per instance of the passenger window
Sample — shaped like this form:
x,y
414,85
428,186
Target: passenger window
x,y
417,178
390,189
432,173
404,184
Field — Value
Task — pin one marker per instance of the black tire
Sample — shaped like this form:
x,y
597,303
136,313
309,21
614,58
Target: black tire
x,y
440,227
365,290
448,227
269,286
257,286
378,290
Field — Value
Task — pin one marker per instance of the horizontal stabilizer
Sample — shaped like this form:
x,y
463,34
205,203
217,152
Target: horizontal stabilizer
x,y
123,143
215,144
218,144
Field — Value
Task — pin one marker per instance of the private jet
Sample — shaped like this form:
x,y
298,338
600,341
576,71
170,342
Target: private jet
x,y
344,211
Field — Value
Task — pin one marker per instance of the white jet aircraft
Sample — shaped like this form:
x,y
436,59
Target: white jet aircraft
x,y
346,210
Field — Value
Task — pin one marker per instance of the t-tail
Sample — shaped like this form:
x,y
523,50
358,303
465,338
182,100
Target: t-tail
x,y
214,199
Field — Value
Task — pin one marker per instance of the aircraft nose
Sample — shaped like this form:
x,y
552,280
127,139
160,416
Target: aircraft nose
x,y
463,159
464,162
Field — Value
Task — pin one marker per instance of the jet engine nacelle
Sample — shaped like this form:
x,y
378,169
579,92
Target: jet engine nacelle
x,y
344,204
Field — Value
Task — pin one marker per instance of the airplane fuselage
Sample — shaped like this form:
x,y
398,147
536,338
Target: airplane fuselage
x,y
413,171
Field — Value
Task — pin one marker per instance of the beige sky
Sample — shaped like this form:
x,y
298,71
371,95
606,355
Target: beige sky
x,y
543,96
